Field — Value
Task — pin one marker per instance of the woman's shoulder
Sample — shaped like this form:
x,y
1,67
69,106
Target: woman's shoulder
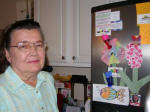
x,y
47,75
3,86
2,79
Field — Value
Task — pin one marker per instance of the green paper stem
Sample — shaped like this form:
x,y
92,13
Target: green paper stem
x,y
121,83
135,74
115,80
144,80
105,81
136,84
127,81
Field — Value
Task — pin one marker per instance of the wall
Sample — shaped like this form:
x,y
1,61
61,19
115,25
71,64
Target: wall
x,y
7,12
12,10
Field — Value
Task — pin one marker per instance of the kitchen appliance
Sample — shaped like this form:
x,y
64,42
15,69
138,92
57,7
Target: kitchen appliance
x,y
119,20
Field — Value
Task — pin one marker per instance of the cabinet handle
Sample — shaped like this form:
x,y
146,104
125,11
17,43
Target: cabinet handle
x,y
63,57
73,58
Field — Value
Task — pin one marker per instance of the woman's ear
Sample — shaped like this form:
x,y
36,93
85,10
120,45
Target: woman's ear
x,y
7,55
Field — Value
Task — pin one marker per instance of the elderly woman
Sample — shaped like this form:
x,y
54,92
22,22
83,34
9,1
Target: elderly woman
x,y
23,86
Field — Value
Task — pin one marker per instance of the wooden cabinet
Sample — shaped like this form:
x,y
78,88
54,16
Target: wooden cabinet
x,y
67,28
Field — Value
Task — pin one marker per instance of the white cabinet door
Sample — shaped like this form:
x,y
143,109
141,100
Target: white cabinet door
x,y
81,38
52,16
82,30
67,28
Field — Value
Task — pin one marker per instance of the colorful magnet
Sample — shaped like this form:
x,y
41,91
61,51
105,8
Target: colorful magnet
x,y
135,99
115,71
136,39
106,40
109,78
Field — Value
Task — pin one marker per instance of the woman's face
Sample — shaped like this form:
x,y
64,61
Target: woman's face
x,y
30,60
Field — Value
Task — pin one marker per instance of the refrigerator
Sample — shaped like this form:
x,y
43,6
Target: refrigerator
x,y
120,56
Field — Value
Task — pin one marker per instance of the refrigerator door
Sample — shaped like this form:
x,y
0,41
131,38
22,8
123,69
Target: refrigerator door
x,y
128,15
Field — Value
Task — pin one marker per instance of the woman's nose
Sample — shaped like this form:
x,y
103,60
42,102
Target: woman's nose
x,y
33,48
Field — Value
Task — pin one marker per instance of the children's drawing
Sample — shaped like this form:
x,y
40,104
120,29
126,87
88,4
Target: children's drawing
x,y
109,93
114,54
115,94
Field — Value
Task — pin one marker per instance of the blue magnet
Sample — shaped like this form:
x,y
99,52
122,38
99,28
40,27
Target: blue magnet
x,y
109,78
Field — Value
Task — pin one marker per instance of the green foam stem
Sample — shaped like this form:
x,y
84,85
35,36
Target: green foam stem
x,y
115,80
135,74
105,81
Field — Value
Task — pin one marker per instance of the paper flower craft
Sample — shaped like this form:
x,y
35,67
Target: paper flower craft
x,y
134,55
114,55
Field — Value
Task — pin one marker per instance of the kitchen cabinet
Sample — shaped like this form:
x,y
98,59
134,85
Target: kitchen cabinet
x,y
59,21
67,28
52,16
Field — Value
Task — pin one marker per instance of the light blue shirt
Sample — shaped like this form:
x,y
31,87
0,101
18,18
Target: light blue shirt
x,y
16,96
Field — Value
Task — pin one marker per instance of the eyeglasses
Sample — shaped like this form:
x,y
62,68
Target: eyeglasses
x,y
26,46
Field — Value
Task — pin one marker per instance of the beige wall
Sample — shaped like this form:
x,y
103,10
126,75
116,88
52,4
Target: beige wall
x,y
10,11
7,12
